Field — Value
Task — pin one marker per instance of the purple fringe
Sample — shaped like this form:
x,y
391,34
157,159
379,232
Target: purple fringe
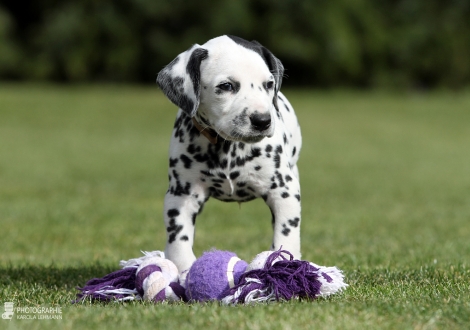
x,y
120,279
286,278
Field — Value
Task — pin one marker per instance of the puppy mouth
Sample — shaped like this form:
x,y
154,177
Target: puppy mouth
x,y
240,137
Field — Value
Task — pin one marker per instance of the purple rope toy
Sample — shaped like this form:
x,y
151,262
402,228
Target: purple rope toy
x,y
217,275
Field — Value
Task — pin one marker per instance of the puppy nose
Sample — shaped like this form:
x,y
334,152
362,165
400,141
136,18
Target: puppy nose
x,y
260,121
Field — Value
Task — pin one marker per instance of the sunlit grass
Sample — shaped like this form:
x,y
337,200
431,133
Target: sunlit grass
x,y
385,191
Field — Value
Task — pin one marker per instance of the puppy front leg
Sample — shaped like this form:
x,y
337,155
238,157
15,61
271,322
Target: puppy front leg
x,y
284,203
180,219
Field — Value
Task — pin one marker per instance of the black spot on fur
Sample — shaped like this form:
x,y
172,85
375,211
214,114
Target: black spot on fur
x,y
257,168
234,175
186,160
280,179
180,190
294,222
193,149
286,231
294,150
285,194
226,148
277,156
173,229
241,193
207,173
298,197
173,162
172,213
184,238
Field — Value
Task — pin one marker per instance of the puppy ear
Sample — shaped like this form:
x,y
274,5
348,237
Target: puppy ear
x,y
276,68
180,80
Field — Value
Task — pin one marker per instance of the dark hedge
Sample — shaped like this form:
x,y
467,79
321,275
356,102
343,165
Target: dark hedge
x,y
345,43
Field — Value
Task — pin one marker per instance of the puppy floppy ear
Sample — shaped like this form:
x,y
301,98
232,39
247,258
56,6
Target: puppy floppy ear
x,y
276,68
180,80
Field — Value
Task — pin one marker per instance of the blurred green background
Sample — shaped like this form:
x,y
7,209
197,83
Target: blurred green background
x,y
405,44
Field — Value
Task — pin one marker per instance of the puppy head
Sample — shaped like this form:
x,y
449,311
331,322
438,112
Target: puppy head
x,y
228,84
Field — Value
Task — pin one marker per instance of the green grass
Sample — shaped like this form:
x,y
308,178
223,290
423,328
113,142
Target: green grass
x,y
385,190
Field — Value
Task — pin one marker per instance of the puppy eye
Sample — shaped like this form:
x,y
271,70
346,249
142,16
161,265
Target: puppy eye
x,y
228,87
269,84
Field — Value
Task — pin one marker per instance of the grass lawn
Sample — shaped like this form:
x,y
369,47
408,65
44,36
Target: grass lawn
x,y
385,191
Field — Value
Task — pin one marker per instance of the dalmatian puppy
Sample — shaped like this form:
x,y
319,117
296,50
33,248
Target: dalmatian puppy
x,y
235,138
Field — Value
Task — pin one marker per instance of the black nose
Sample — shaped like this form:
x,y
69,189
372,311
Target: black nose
x,y
260,121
